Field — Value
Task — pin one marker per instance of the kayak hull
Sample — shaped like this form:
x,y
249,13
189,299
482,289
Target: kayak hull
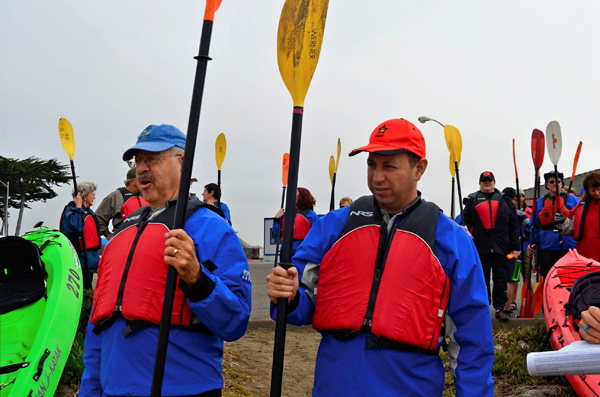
x,y
557,289
42,333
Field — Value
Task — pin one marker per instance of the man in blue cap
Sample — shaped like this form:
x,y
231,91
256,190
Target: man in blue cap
x,y
212,299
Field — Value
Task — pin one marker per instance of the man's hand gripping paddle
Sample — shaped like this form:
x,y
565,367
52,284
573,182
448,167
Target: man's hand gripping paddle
x,y
299,40
184,188
67,138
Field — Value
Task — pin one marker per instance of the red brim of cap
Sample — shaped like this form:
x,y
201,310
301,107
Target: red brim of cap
x,y
377,149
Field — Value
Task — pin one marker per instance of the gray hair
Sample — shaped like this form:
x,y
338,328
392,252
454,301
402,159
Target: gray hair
x,y
84,188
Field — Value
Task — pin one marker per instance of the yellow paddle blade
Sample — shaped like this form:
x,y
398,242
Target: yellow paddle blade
x,y
65,131
331,168
452,166
299,40
453,141
285,169
220,149
339,151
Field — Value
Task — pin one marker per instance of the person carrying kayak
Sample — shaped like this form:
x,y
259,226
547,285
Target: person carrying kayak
x,y
212,300
396,280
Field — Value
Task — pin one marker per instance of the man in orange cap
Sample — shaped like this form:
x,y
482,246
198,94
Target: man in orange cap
x,y
396,279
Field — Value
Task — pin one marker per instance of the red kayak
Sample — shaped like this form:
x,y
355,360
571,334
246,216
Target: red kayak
x,y
557,289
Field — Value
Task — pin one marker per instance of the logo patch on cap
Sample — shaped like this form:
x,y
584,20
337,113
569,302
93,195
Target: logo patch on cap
x,y
381,131
146,131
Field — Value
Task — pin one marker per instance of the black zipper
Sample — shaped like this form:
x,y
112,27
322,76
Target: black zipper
x,y
385,241
141,228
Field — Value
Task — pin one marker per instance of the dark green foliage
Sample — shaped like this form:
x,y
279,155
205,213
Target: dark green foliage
x,y
74,367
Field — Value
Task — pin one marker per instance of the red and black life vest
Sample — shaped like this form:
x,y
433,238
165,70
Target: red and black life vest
x,y
132,273
487,208
91,231
131,202
388,283
301,225
580,212
552,205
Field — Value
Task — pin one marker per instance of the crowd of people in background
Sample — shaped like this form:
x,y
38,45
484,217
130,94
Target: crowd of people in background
x,y
505,240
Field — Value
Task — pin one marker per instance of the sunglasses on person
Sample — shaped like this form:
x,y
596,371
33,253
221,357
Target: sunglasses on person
x,y
487,180
552,182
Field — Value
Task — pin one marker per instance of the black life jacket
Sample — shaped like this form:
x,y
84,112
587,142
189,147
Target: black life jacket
x,y
487,208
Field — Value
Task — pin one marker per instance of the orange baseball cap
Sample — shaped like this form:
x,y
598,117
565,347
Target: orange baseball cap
x,y
393,137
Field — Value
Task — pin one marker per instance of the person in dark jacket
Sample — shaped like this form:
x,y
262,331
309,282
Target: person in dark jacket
x,y
79,223
491,218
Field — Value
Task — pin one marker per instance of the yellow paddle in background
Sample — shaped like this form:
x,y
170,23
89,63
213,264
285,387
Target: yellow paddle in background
x,y
454,144
333,166
67,138
220,150
299,39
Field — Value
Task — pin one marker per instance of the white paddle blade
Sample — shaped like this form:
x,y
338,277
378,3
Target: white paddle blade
x,y
554,141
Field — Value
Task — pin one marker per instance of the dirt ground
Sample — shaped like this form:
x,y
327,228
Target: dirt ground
x,y
253,356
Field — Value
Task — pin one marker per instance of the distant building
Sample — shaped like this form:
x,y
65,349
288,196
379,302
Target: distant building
x,y
251,251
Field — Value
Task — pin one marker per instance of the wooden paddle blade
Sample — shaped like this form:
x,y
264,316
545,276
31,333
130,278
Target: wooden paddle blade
x,y
576,159
453,141
285,169
331,168
554,141
299,39
220,149
211,7
65,131
339,151
537,148
452,167
515,162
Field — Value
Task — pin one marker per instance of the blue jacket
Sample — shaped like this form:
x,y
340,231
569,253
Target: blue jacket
x,y
115,366
349,368
548,238
226,212
72,226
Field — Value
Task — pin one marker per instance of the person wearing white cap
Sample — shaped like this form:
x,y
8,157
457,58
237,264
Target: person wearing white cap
x,y
396,279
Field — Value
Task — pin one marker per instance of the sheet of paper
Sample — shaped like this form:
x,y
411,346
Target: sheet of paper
x,y
578,358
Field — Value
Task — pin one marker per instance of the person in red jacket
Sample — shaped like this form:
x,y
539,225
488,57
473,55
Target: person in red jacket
x,y
586,215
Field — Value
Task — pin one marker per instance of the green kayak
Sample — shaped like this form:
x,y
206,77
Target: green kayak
x,y
40,305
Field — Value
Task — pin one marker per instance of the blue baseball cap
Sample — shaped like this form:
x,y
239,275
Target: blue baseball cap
x,y
156,138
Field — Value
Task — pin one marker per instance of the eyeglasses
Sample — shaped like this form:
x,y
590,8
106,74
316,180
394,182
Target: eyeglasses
x,y
487,180
552,182
150,160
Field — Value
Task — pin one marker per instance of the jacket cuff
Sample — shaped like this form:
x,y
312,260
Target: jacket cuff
x,y
200,290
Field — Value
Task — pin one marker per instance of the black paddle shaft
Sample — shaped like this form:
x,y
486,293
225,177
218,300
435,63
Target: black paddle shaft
x,y
279,233
85,257
286,251
460,203
332,201
180,209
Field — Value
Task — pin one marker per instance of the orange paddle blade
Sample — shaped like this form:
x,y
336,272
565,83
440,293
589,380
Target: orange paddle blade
x,y
211,7
285,169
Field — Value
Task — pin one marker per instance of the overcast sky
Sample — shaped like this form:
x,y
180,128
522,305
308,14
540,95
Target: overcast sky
x,y
495,70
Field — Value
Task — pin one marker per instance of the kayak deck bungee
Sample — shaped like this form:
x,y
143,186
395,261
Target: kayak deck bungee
x,y
37,337
557,289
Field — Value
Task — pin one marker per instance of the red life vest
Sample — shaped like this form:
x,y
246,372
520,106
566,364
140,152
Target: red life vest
x,y
580,212
91,231
389,284
131,281
301,225
487,208
131,202
552,205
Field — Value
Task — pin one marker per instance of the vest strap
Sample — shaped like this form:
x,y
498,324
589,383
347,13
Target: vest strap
x,y
380,342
